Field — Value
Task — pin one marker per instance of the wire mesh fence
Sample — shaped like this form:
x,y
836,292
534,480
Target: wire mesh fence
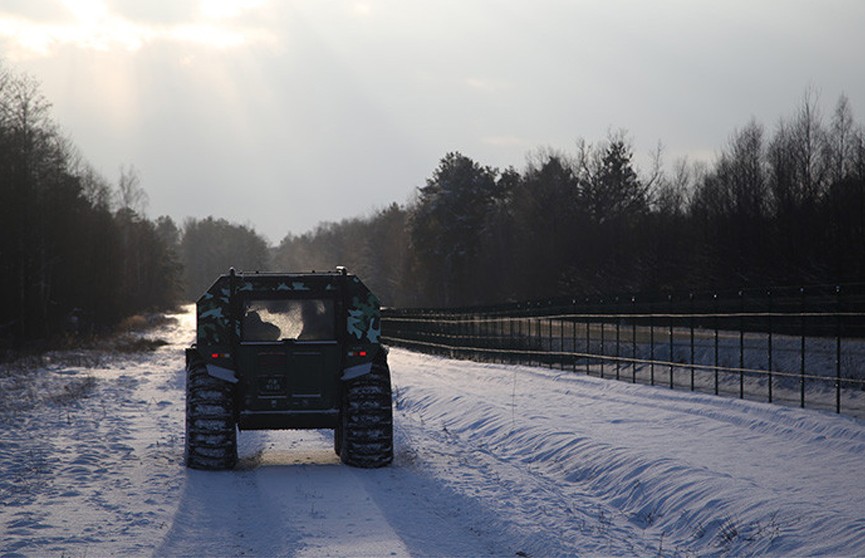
x,y
798,346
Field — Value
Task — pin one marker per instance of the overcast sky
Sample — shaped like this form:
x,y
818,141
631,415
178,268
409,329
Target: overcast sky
x,y
283,113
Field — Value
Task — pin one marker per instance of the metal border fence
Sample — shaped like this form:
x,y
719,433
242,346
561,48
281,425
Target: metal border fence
x,y
802,346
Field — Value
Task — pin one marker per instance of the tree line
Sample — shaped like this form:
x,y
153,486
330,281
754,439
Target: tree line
x,y
776,208
76,251
781,207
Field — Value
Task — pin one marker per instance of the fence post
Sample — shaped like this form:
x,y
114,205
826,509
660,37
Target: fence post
x,y
459,335
561,339
802,348
574,335
634,339
618,311
838,308
769,295
540,337
603,344
588,339
482,341
468,333
500,336
652,348
672,356
741,344
552,358
487,328
513,341
691,323
519,355
475,328
715,298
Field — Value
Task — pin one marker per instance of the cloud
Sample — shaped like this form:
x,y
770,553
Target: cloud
x,y
228,9
505,141
97,25
486,85
361,9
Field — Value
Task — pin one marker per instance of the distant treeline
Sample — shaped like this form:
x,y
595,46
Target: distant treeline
x,y
76,253
779,208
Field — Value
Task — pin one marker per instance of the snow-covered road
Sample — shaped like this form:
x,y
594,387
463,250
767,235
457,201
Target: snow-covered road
x,y
491,460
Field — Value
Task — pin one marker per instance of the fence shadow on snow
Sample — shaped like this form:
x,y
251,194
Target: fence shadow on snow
x,y
797,346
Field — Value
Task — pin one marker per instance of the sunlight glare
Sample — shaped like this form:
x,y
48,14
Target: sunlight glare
x,y
227,9
87,11
94,26
362,9
209,35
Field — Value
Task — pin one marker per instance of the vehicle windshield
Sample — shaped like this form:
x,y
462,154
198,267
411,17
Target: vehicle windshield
x,y
301,320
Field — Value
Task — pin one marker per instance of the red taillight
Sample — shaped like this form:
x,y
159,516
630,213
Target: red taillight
x,y
361,353
215,355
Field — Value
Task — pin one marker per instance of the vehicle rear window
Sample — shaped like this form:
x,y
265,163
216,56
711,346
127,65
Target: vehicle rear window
x,y
302,320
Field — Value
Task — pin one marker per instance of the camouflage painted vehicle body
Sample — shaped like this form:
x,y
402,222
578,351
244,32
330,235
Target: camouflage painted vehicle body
x,y
287,350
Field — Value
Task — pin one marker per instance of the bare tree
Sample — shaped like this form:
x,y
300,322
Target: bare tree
x,y
672,193
130,195
809,148
841,141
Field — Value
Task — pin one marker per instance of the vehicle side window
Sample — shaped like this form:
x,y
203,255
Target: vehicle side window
x,y
302,320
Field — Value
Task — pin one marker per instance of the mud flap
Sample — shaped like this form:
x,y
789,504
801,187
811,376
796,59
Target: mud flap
x,y
220,373
356,371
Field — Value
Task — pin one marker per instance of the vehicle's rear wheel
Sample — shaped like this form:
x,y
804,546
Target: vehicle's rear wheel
x,y
211,429
365,432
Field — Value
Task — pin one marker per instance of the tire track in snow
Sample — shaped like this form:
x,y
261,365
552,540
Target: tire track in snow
x,y
291,496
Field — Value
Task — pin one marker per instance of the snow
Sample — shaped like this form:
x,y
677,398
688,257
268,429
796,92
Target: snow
x,y
491,460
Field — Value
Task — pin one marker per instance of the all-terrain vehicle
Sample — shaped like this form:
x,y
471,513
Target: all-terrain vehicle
x,y
288,351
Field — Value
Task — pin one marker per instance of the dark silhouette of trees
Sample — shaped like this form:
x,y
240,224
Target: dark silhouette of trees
x,y
68,260
546,220
730,212
376,249
617,202
446,229
610,189
501,237
209,247
778,207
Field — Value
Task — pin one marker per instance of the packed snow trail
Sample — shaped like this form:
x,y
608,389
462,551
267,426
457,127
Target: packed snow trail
x,y
103,475
491,460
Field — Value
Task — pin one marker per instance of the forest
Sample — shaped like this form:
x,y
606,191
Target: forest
x,y
779,206
77,253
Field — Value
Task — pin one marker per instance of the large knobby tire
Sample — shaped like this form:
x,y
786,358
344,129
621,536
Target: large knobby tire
x,y
211,429
364,437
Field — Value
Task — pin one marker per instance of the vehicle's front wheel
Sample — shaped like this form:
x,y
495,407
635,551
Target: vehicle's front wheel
x,y
365,432
211,429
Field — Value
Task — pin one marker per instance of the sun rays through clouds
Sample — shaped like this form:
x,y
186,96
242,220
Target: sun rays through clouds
x,y
103,26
